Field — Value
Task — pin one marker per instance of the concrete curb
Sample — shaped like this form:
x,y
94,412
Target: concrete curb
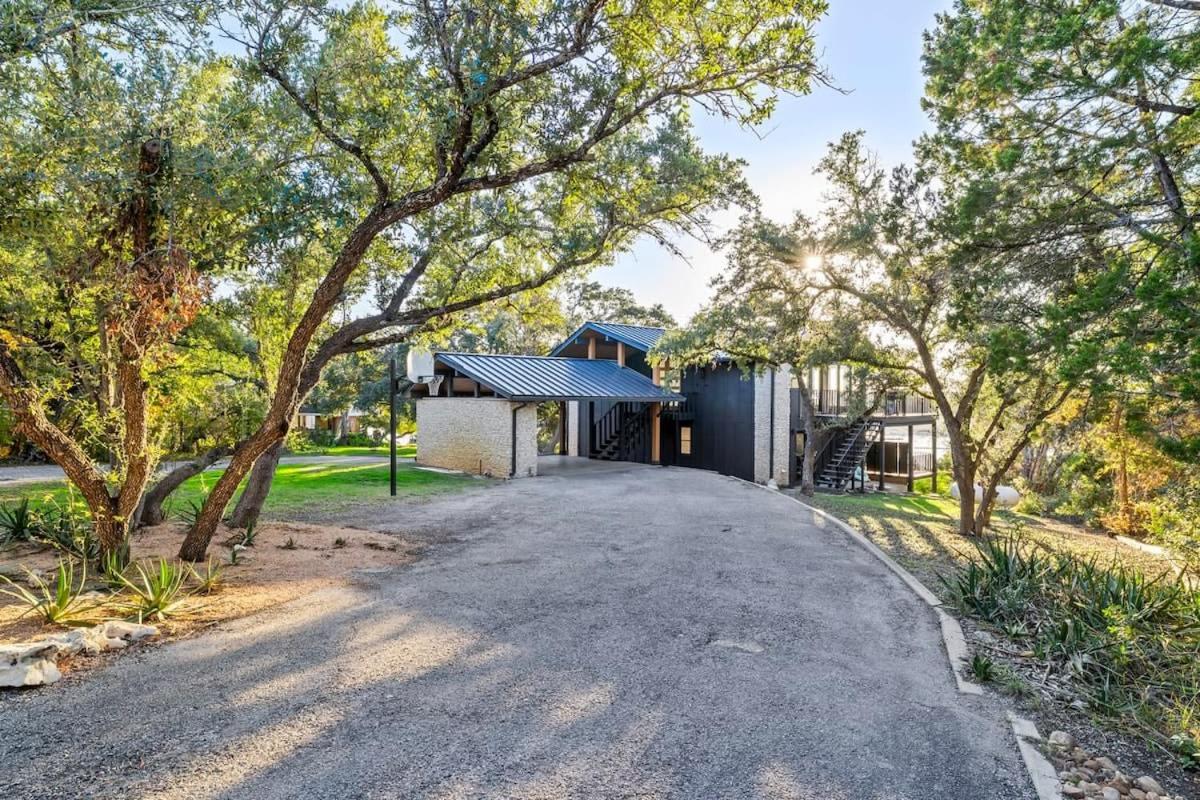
x,y
952,635
1041,771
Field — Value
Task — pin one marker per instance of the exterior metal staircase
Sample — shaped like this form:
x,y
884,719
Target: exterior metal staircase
x,y
623,433
845,452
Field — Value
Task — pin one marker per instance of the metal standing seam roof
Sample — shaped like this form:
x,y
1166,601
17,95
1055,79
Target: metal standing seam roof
x,y
549,378
642,337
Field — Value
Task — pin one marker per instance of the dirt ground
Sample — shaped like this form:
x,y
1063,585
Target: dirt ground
x,y
288,560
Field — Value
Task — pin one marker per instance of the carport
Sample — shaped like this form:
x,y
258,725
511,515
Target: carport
x,y
478,412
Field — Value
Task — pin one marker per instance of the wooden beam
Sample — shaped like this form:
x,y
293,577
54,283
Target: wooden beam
x,y
656,375
591,347
655,433
621,353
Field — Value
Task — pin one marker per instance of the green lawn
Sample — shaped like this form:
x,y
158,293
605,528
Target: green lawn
x,y
298,487
919,531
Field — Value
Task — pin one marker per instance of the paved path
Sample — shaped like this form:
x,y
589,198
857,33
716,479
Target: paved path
x,y
638,633
39,473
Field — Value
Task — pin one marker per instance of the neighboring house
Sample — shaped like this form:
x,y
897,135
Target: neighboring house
x,y
478,412
342,424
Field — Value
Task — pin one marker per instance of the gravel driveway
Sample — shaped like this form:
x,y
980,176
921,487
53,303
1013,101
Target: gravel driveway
x,y
639,632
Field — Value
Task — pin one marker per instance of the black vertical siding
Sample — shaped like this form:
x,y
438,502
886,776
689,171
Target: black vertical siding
x,y
721,402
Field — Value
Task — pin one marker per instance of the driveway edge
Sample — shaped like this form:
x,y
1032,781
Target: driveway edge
x,y
1041,771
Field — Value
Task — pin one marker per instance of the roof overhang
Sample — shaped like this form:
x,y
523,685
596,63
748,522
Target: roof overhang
x,y
639,337
544,378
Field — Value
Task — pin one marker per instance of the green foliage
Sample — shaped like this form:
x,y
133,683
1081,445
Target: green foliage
x,y
250,534
59,602
207,580
1129,641
16,521
982,668
156,590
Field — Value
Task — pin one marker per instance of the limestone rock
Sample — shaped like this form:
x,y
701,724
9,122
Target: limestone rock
x,y
1148,785
127,631
28,664
1109,793
1062,739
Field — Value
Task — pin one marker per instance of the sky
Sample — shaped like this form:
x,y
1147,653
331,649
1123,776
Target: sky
x,y
872,51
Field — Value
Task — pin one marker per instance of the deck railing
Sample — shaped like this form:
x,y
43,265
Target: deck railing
x,y
889,404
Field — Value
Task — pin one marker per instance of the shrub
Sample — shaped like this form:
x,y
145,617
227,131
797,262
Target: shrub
x,y
1129,640
16,521
156,591
58,603
209,580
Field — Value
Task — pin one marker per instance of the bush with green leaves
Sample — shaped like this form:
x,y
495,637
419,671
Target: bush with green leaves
x,y
1130,641
57,602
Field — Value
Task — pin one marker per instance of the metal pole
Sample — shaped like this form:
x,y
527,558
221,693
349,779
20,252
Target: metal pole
x,y
392,421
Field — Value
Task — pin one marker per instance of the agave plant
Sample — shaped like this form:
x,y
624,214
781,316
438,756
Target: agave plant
x,y
16,521
157,590
57,602
209,580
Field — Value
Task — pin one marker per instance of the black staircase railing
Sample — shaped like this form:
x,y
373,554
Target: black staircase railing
x,y
888,404
623,433
844,454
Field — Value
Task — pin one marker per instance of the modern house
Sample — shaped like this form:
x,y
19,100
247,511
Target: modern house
x,y
478,412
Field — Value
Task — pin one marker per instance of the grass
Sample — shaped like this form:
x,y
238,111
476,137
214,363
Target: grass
x,y
297,488
920,532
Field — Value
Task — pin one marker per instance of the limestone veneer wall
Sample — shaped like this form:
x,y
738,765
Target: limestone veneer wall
x,y
474,434
762,425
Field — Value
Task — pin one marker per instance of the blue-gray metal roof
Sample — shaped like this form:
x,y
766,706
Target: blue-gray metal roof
x,y
643,337
546,378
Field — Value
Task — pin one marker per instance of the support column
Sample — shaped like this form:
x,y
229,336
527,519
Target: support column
x,y
592,347
910,458
656,433
621,353
882,455
933,444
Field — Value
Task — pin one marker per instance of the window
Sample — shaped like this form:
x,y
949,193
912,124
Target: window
x,y
685,440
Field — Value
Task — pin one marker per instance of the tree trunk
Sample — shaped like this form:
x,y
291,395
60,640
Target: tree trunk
x,y
152,505
288,389
808,424
250,504
964,478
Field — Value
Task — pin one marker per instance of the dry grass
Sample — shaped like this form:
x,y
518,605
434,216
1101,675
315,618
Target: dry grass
x,y
288,560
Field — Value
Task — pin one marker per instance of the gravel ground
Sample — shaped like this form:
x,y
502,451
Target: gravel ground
x,y
642,632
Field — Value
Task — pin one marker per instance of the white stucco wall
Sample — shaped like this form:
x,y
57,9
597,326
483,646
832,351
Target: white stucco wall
x,y
474,434
762,425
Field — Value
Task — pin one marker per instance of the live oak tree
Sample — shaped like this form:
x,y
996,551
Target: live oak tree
x,y
435,104
114,176
983,343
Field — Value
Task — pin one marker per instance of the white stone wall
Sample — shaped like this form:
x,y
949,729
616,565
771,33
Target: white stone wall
x,y
474,434
783,425
573,428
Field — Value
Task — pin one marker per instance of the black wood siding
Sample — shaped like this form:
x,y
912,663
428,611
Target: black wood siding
x,y
721,402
